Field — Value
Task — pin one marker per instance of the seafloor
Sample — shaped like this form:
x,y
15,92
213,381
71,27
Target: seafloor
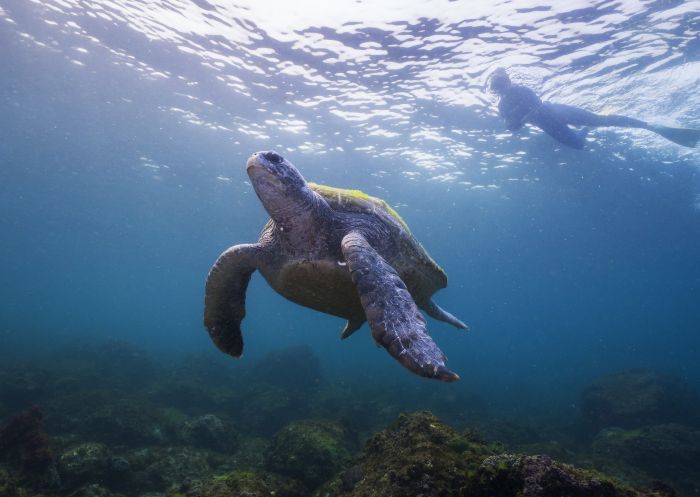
x,y
106,420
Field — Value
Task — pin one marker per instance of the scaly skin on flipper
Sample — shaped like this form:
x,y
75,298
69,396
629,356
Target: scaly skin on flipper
x,y
396,323
224,296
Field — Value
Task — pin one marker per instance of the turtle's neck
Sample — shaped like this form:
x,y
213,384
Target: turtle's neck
x,y
298,216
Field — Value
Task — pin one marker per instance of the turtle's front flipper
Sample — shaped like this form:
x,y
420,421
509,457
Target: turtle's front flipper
x,y
393,316
224,300
436,312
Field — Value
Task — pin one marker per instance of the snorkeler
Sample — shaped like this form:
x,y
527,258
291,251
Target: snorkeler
x,y
519,105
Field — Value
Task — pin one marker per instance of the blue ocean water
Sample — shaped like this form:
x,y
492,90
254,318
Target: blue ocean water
x,y
126,127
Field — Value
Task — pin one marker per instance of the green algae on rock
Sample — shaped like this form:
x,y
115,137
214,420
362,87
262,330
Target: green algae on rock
x,y
309,450
84,463
420,456
241,484
415,455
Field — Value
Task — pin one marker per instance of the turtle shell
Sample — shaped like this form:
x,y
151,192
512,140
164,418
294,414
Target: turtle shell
x,y
356,201
414,263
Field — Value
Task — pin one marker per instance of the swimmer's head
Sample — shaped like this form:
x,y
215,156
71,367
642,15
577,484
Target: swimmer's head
x,y
499,81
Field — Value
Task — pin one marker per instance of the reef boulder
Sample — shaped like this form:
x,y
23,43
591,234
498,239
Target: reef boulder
x,y
309,450
415,455
539,476
87,463
210,432
158,468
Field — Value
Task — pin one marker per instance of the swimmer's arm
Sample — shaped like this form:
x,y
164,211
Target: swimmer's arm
x,y
514,124
518,107
510,116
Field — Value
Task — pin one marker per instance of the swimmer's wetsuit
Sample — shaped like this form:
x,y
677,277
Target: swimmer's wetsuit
x,y
520,105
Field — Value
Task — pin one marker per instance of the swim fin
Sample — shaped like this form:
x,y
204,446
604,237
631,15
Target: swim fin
x,y
682,136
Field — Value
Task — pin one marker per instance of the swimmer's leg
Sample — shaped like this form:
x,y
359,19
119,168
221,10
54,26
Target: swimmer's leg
x,y
581,117
550,123
566,135
577,116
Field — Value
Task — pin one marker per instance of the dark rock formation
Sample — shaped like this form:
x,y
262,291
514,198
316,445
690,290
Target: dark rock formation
x,y
23,441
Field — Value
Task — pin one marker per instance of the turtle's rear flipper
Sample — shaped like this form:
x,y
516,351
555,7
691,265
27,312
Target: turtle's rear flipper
x,y
351,327
395,321
224,300
436,312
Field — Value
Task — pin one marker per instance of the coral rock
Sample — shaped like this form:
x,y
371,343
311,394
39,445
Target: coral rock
x,y
309,450
85,463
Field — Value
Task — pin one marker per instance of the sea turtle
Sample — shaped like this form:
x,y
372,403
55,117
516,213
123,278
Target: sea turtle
x,y
337,251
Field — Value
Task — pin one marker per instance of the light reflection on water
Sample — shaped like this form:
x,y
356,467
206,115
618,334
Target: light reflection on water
x,y
404,81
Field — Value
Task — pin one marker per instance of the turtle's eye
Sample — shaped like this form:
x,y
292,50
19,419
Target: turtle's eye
x,y
273,157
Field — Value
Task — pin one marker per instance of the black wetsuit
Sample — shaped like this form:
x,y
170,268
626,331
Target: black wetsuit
x,y
520,105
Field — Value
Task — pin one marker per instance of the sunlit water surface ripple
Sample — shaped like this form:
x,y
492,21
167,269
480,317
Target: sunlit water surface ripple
x,y
387,79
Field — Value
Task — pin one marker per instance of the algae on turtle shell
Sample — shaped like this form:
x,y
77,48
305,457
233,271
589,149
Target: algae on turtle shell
x,y
356,200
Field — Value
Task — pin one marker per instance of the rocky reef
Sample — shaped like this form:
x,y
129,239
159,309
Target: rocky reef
x,y
645,426
418,455
106,420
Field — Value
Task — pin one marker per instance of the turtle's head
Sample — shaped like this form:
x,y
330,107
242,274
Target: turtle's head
x,y
280,186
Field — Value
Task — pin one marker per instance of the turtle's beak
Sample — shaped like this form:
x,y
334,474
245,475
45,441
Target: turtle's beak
x,y
268,160
263,174
255,167
252,162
